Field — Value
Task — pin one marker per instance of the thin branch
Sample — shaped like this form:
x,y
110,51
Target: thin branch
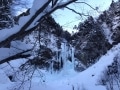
x,y
81,14
56,8
11,66
16,56
31,79
88,5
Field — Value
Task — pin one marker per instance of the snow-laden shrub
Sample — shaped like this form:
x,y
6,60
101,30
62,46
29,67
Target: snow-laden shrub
x,y
111,75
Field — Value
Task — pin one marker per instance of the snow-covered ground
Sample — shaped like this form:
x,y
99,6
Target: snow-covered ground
x,y
67,79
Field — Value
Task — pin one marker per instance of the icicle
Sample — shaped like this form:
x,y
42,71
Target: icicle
x,y
59,59
51,66
63,54
57,56
73,59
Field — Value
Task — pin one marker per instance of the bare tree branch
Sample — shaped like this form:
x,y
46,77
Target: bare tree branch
x,y
88,5
81,14
57,7
16,56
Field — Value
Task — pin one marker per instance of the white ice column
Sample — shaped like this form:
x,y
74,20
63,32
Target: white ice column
x,y
73,58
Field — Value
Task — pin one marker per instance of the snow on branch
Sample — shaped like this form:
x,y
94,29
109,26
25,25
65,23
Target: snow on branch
x,y
7,35
16,56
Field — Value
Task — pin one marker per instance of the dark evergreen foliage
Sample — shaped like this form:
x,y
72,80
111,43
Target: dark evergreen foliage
x,y
6,19
90,42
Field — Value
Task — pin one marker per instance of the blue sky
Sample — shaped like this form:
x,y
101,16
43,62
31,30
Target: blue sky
x,y
68,19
